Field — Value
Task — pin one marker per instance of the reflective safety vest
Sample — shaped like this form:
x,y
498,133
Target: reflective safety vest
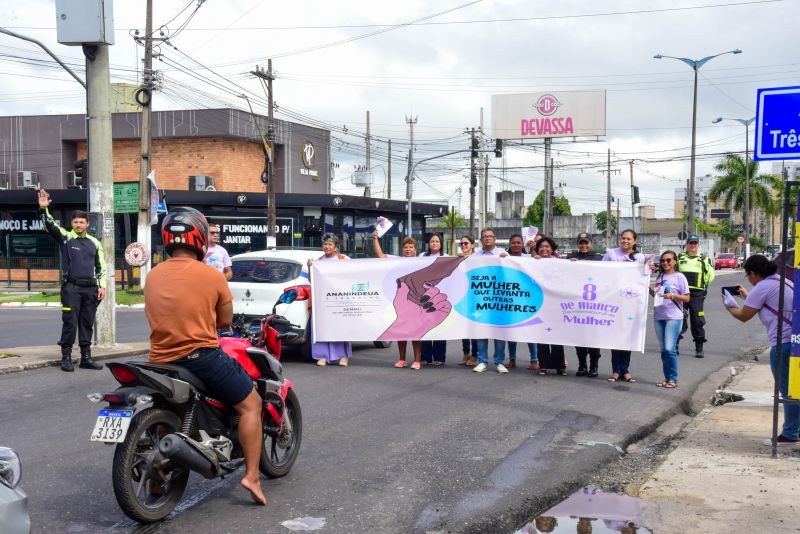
x,y
697,269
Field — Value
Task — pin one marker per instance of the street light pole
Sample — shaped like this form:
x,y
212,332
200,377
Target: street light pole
x,y
695,64
746,123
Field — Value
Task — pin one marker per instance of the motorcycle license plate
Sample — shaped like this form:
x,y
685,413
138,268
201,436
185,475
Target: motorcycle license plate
x,y
111,425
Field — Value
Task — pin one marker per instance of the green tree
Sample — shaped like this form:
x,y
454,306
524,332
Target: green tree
x,y
730,186
534,216
452,219
600,221
758,244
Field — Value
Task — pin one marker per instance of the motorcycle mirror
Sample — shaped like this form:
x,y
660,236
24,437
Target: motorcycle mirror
x,y
288,296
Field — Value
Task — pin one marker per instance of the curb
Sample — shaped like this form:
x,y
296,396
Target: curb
x,y
55,362
55,305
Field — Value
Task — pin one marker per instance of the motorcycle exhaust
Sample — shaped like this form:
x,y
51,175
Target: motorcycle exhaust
x,y
176,449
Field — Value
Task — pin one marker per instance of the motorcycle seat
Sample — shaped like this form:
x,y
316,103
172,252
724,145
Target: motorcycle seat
x,y
173,371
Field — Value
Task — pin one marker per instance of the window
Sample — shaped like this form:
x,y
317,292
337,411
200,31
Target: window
x,y
270,271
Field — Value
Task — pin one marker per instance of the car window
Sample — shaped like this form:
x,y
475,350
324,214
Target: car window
x,y
726,256
269,271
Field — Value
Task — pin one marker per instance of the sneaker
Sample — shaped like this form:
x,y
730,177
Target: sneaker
x,y
782,441
502,369
481,367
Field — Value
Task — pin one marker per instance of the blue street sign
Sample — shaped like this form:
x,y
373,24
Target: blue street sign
x,y
777,124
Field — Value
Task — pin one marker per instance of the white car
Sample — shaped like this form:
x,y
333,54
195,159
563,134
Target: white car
x,y
259,278
14,518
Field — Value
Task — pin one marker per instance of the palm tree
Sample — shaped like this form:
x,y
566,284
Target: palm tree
x,y
730,186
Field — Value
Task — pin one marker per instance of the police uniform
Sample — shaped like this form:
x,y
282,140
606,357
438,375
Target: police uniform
x,y
84,271
699,272
583,352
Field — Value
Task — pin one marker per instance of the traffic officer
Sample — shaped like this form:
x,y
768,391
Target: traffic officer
x,y
585,253
699,271
84,284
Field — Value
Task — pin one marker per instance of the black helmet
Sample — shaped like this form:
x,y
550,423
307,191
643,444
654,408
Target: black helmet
x,y
187,228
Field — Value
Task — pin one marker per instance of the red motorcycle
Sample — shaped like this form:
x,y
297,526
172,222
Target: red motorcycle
x,y
165,425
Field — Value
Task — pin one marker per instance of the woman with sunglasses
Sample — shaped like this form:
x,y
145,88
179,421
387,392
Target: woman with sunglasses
x,y
434,352
409,250
672,293
466,247
763,300
627,251
516,247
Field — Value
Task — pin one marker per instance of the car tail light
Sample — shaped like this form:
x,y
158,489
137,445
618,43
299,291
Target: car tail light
x,y
303,292
124,375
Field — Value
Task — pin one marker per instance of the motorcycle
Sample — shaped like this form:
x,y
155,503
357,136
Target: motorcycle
x,y
165,425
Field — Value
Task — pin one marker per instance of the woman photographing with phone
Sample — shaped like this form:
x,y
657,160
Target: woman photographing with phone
x,y
763,300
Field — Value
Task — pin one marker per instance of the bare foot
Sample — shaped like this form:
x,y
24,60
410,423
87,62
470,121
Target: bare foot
x,y
255,491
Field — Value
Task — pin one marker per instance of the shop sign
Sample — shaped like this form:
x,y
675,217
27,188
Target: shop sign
x,y
21,225
126,197
551,114
242,232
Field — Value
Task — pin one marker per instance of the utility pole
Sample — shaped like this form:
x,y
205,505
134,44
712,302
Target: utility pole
x,y
270,181
550,194
633,206
101,181
473,181
368,189
485,208
389,172
144,232
548,201
409,178
608,172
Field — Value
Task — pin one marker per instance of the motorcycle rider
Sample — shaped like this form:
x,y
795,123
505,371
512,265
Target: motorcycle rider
x,y
699,271
185,302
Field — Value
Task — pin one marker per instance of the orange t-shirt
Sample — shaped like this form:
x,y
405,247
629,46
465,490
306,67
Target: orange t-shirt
x,y
180,301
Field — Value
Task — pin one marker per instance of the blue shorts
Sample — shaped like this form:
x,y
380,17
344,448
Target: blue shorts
x,y
226,380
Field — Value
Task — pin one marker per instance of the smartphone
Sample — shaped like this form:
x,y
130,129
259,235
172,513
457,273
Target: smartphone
x,y
733,290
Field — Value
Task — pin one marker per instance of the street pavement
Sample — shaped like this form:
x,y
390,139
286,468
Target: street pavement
x,y
384,450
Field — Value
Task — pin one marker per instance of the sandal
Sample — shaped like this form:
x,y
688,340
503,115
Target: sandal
x,y
400,364
670,385
438,364
416,366
534,366
628,378
472,362
542,372
465,360
613,378
662,384
561,372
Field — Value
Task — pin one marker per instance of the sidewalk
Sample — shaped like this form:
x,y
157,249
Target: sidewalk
x,y
24,358
721,477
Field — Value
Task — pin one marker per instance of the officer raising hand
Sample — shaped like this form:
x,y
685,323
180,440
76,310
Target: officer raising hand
x,y
83,285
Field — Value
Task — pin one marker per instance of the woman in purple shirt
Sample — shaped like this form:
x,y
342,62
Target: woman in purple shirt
x,y
621,359
672,289
763,300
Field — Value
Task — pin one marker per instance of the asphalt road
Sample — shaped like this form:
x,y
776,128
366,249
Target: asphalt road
x,y
384,450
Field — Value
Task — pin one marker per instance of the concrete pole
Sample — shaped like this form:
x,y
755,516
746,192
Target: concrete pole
x,y
144,231
272,240
746,191
633,206
690,193
548,201
485,208
101,179
389,172
368,189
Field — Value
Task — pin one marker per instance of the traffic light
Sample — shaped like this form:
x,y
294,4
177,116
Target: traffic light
x,y
498,148
475,146
636,194
81,172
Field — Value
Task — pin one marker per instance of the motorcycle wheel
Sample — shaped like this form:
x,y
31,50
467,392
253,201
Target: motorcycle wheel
x,y
278,454
144,493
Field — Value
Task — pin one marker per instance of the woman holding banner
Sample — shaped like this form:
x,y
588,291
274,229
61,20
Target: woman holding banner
x,y
434,352
627,251
516,247
550,356
409,248
328,352
466,247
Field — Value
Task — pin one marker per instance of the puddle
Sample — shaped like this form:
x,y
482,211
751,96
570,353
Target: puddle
x,y
590,511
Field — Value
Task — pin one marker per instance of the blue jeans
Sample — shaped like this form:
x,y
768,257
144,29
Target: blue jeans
x,y
433,351
667,331
483,351
512,351
791,412
620,361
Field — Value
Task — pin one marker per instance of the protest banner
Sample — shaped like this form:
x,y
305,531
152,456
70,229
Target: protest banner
x,y
597,304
